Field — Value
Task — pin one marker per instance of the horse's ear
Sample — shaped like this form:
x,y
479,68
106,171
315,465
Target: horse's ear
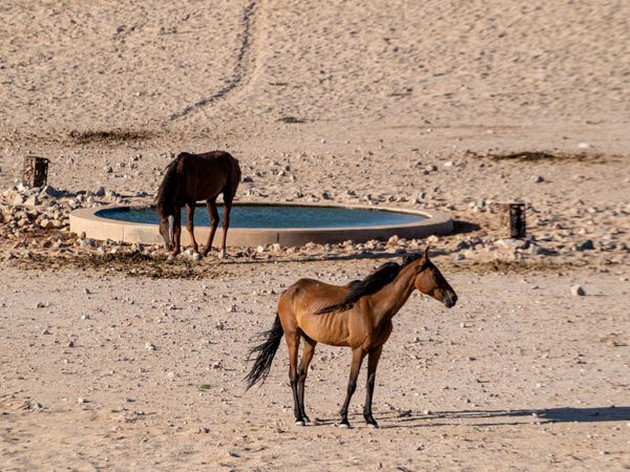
x,y
425,256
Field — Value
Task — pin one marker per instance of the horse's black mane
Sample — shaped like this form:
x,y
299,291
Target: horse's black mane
x,y
167,192
382,276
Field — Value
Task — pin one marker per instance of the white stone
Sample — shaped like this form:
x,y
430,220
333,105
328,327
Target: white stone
x,y
510,243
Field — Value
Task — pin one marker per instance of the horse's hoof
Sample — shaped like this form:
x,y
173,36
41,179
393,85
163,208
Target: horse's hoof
x,y
306,419
222,255
373,425
344,425
300,423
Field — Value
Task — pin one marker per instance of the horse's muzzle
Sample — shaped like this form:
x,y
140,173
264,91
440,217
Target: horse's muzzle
x,y
450,299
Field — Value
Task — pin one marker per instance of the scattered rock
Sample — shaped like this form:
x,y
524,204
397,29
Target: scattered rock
x,y
586,245
511,243
52,192
46,223
577,291
33,201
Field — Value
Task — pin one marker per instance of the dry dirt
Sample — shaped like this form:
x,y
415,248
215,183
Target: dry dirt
x,y
132,362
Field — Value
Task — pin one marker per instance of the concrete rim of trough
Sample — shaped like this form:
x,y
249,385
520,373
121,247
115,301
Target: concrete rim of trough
x,y
96,227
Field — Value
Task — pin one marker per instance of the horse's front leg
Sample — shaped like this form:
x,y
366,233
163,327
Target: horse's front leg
x,y
190,224
373,358
211,205
177,231
357,358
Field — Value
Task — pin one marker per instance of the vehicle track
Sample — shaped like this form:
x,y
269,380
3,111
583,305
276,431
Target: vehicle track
x,y
240,70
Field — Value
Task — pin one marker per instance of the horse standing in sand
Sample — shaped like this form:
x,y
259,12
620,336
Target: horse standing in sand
x,y
358,315
193,177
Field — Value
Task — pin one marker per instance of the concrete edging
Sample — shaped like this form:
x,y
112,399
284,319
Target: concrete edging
x,y
96,227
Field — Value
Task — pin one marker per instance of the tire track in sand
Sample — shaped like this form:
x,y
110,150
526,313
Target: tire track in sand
x,y
239,71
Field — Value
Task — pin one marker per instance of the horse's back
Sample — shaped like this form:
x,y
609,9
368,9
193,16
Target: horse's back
x,y
211,161
298,308
310,295
209,173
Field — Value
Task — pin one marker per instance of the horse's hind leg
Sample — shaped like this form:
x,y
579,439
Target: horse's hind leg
x,y
211,205
227,207
357,358
307,357
190,224
293,344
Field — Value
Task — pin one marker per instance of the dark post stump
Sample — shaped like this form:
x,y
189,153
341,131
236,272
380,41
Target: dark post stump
x,y
35,171
513,220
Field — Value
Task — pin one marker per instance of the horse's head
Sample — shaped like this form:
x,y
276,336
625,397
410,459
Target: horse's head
x,y
430,281
167,230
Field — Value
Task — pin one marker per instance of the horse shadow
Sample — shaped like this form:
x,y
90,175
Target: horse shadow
x,y
489,418
507,417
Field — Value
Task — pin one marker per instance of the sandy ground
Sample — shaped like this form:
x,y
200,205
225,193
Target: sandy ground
x,y
136,363
521,375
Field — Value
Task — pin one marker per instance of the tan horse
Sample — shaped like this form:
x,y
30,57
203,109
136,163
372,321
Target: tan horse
x,y
358,315
188,179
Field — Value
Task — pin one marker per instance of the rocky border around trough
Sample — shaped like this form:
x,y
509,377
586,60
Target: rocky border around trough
x,y
34,228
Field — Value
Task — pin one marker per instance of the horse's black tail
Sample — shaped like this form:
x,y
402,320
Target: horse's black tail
x,y
266,352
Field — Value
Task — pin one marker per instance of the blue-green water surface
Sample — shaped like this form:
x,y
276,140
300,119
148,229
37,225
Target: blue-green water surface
x,y
278,216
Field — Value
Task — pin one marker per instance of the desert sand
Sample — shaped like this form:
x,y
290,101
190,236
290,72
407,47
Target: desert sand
x,y
115,358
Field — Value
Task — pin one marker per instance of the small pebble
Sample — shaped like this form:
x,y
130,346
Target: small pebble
x,y
577,291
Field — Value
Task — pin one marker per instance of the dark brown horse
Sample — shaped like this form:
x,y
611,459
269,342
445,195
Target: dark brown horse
x,y
358,315
188,179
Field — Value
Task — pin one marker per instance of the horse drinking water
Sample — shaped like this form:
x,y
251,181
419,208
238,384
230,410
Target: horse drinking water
x,y
193,177
358,315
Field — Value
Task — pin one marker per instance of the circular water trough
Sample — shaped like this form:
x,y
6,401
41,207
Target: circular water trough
x,y
254,224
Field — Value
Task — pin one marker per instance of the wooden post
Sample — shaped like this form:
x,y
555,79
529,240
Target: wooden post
x,y
35,171
513,220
